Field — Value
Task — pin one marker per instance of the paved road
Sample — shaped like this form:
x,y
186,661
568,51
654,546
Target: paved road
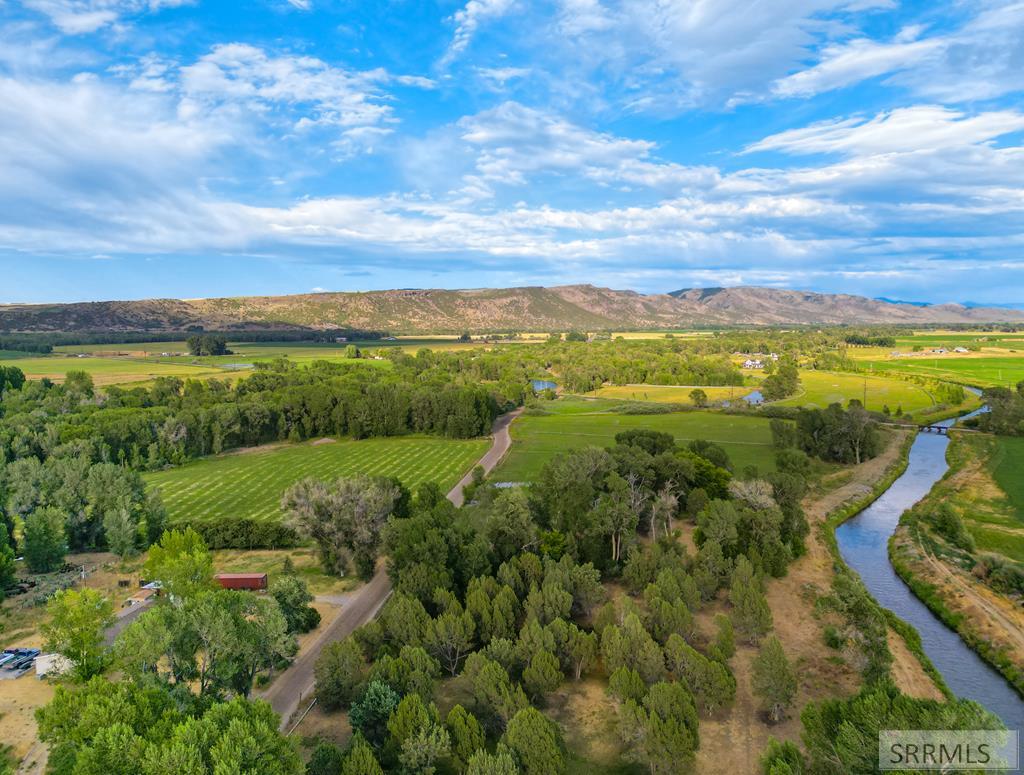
x,y
297,683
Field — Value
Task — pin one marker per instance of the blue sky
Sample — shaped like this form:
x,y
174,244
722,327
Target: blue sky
x,y
195,148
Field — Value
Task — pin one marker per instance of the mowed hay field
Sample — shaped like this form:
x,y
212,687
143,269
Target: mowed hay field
x,y
983,370
667,394
109,371
250,483
537,439
821,388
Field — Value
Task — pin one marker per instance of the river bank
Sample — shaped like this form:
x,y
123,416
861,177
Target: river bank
x,y
862,542
940,573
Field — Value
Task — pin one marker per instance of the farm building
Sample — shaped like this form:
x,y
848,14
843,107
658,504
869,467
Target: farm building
x,y
242,580
752,363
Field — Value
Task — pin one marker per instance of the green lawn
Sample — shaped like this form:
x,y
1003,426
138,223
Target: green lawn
x,y
536,439
250,484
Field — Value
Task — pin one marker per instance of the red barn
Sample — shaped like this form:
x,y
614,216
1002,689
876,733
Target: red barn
x,y
242,580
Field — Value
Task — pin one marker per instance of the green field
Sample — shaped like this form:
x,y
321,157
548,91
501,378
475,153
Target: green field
x,y
250,483
109,371
981,370
1008,470
669,394
821,388
537,439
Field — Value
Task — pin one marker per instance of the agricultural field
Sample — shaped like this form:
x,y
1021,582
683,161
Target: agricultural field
x,y
981,370
537,439
821,388
669,394
250,483
108,371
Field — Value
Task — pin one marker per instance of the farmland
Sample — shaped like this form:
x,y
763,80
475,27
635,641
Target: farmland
x,y
671,394
536,439
821,388
250,483
984,370
108,371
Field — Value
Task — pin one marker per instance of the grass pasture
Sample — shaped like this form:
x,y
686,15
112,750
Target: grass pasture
x,y
537,439
669,394
250,483
821,388
108,371
984,370
1008,471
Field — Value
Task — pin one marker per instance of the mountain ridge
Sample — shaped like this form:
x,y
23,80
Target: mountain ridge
x,y
432,310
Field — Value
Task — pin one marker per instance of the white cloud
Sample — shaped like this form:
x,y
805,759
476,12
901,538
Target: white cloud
x,y
980,59
468,20
919,128
302,5
852,62
499,76
77,17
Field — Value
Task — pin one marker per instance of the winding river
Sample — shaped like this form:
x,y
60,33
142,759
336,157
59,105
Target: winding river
x,y
863,542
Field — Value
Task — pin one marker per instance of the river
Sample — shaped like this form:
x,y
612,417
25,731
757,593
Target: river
x,y
863,542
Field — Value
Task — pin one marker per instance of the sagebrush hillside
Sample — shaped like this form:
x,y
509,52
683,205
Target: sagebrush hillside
x,y
582,307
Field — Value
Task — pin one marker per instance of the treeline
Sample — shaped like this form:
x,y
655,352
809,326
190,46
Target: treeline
x,y
864,340
44,342
1007,411
175,421
833,434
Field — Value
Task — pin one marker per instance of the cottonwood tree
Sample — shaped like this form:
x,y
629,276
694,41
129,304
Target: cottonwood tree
x,y
78,622
342,516
509,526
45,540
294,598
663,510
181,563
773,679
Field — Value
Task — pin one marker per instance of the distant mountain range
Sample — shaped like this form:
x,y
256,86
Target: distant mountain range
x,y
583,307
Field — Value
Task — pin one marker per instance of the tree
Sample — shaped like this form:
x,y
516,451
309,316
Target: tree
x,y
493,691
181,563
421,751
613,515
500,763
535,743
369,716
293,597
509,527
449,637
773,679
360,759
340,672
626,684
711,683
582,651
751,614
8,566
542,675
631,646
121,531
45,540
467,736
662,731
699,397
78,622
341,516
326,759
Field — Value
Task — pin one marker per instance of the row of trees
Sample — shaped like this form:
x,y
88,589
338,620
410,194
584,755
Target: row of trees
x,y
174,421
833,434
1007,411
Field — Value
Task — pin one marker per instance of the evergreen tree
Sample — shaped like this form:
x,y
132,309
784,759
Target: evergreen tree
x,y
773,679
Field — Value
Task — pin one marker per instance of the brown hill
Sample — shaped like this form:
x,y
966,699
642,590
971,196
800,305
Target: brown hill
x,y
582,307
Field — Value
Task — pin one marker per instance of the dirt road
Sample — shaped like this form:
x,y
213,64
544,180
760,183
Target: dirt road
x,y
295,687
